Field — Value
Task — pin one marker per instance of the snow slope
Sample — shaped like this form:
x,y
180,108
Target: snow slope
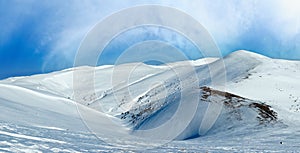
x,y
178,101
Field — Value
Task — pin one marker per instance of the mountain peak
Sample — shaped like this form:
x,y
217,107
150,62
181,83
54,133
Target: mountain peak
x,y
241,53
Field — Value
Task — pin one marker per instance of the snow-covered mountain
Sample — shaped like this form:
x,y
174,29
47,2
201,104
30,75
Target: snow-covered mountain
x,y
243,102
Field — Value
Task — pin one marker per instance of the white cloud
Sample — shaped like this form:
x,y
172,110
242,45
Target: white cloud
x,y
227,21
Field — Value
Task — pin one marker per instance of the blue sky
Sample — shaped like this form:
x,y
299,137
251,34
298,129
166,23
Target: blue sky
x,y
43,36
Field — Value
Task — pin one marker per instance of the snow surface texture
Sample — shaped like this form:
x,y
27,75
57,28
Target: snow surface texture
x,y
258,110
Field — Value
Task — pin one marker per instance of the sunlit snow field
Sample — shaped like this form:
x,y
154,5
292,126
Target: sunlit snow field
x,y
40,114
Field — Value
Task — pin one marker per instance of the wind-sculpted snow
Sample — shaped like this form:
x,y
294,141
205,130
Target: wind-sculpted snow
x,y
236,109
